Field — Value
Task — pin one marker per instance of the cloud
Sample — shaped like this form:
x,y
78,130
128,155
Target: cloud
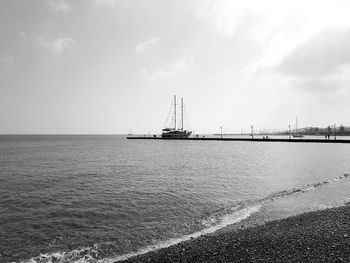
x,y
227,17
323,54
330,89
319,85
59,6
274,27
303,45
141,47
7,61
24,37
171,71
224,16
57,45
104,2
319,68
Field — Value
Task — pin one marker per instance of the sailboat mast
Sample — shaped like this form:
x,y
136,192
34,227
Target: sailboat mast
x,y
182,114
175,112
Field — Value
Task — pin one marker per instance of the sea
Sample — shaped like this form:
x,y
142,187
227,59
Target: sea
x,y
103,198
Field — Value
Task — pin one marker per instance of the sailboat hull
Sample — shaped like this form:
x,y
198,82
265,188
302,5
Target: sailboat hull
x,y
176,134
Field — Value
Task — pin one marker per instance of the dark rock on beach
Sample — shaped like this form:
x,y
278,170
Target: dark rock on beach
x,y
320,236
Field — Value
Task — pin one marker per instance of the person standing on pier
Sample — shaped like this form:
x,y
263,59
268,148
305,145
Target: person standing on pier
x,y
329,130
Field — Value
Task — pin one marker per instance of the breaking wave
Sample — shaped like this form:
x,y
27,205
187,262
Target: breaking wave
x,y
81,255
303,189
217,221
90,253
225,221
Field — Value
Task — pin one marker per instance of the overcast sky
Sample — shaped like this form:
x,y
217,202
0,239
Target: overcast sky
x,y
113,66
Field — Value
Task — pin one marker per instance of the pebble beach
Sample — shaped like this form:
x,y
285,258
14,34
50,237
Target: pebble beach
x,y
318,236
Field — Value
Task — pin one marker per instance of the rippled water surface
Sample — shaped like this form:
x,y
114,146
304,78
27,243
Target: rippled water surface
x,y
101,197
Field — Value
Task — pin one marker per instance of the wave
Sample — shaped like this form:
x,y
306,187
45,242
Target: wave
x,y
88,254
303,189
81,255
226,220
218,220
215,216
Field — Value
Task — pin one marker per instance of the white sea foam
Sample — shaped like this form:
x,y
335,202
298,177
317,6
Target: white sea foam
x,y
83,255
226,220
209,222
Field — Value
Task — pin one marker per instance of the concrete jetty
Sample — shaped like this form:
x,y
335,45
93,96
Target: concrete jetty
x,y
295,140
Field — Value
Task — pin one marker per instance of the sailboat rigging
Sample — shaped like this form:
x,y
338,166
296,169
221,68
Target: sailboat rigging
x,y
174,132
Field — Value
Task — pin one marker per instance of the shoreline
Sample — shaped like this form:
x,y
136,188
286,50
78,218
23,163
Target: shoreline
x,y
317,236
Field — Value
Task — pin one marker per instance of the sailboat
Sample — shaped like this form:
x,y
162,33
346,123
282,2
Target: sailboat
x,y
173,132
297,134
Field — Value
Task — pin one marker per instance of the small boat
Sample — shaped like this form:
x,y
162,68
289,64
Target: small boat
x,y
297,134
175,132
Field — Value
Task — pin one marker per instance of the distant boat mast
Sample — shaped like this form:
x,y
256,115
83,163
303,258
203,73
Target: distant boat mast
x,y
182,113
175,112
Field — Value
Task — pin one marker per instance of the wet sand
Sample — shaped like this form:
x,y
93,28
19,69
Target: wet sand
x,y
319,236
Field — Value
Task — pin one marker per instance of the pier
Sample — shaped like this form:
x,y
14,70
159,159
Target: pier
x,y
295,140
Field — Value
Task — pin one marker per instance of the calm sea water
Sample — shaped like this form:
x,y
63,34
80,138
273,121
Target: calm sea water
x,y
102,198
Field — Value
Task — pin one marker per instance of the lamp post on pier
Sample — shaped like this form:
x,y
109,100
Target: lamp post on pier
x,y
252,132
221,131
335,131
289,130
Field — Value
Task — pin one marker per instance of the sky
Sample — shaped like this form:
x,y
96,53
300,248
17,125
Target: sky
x,y
113,66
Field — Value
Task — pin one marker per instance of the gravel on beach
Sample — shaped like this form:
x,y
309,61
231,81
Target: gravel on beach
x,y
319,236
